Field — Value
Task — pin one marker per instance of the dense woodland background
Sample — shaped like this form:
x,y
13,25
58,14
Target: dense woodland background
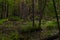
x,y
23,8
29,20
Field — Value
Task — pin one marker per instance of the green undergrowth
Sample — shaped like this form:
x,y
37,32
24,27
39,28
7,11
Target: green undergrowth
x,y
12,36
25,26
29,24
3,20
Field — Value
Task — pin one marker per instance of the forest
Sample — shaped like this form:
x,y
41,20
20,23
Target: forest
x,y
29,19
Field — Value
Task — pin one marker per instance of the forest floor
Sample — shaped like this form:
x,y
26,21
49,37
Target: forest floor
x,y
11,27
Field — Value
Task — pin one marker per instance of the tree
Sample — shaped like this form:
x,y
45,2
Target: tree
x,y
33,12
54,5
4,9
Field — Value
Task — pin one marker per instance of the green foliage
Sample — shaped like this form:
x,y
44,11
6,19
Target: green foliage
x,y
36,17
14,18
26,26
3,20
12,36
51,25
